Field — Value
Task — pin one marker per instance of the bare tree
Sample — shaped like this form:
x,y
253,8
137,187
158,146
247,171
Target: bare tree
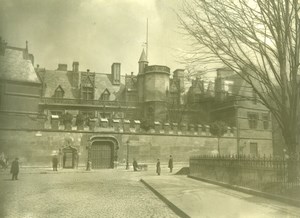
x,y
260,41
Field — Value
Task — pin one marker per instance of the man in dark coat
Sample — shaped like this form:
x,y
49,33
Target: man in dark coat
x,y
135,165
54,162
15,169
158,167
170,165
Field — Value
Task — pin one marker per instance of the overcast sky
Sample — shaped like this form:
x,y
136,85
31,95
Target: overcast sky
x,y
94,32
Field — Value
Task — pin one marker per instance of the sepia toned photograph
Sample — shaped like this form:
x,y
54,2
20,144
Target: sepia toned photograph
x,y
150,108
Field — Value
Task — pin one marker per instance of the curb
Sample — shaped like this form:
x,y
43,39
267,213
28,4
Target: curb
x,y
172,206
290,201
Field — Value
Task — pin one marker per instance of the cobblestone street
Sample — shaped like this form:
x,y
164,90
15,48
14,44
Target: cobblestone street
x,y
102,193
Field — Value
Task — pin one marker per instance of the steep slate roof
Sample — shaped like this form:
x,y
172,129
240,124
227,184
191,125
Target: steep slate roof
x,y
102,82
54,78
13,66
131,83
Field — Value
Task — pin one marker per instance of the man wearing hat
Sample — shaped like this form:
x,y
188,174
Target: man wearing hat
x,y
15,169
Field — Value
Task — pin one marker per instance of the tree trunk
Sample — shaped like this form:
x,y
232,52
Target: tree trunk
x,y
292,166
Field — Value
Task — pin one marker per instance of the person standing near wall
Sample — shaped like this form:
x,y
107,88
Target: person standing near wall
x,y
158,167
54,162
170,165
135,165
15,169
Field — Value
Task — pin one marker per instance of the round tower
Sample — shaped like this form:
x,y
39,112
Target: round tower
x,y
156,85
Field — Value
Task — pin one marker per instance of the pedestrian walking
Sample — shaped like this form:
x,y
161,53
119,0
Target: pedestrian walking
x,y
54,162
15,169
170,165
135,165
158,167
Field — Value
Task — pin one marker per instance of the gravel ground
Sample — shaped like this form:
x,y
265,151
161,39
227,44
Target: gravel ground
x,y
103,193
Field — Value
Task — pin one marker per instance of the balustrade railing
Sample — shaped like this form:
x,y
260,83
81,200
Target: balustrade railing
x,y
89,102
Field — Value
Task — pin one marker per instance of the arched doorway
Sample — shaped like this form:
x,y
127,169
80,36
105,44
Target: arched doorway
x,y
103,151
70,157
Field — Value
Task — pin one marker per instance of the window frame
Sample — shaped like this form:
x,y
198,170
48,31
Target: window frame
x,y
253,119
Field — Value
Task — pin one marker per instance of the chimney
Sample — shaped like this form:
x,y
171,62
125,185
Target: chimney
x,y
75,66
115,73
75,74
62,67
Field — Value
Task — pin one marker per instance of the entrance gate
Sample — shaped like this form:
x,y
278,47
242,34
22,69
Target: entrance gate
x,y
102,155
103,151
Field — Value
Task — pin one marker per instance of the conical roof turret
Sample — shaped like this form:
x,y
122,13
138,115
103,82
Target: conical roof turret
x,y
143,57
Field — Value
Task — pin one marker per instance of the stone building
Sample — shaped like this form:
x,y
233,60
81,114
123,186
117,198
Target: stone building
x,y
113,108
20,88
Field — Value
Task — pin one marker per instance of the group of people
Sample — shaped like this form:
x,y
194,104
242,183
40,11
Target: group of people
x,y
14,170
170,165
158,168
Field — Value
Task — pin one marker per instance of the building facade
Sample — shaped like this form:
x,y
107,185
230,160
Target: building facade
x,y
153,101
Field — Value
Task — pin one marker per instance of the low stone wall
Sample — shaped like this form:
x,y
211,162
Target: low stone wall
x,y
35,147
257,173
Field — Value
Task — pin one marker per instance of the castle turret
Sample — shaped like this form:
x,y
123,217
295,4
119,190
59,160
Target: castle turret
x,y
156,86
143,63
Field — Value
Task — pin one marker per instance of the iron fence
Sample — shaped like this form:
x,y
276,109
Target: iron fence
x,y
265,173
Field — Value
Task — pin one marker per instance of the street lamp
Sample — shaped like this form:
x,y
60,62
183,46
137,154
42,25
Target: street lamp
x,y
127,158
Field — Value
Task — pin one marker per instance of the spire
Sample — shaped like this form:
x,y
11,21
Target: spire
x,y
26,45
143,57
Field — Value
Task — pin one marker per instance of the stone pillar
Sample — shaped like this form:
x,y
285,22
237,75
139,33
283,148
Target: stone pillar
x,y
199,129
104,122
137,125
167,128
175,128
54,122
183,128
207,130
126,125
116,125
92,124
157,127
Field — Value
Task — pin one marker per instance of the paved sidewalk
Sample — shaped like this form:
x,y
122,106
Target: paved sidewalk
x,y
199,199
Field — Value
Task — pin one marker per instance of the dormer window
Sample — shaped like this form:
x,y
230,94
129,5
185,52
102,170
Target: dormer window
x,y
59,92
105,95
87,93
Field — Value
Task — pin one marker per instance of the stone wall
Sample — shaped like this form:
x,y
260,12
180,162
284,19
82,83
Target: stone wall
x,y
35,147
261,173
